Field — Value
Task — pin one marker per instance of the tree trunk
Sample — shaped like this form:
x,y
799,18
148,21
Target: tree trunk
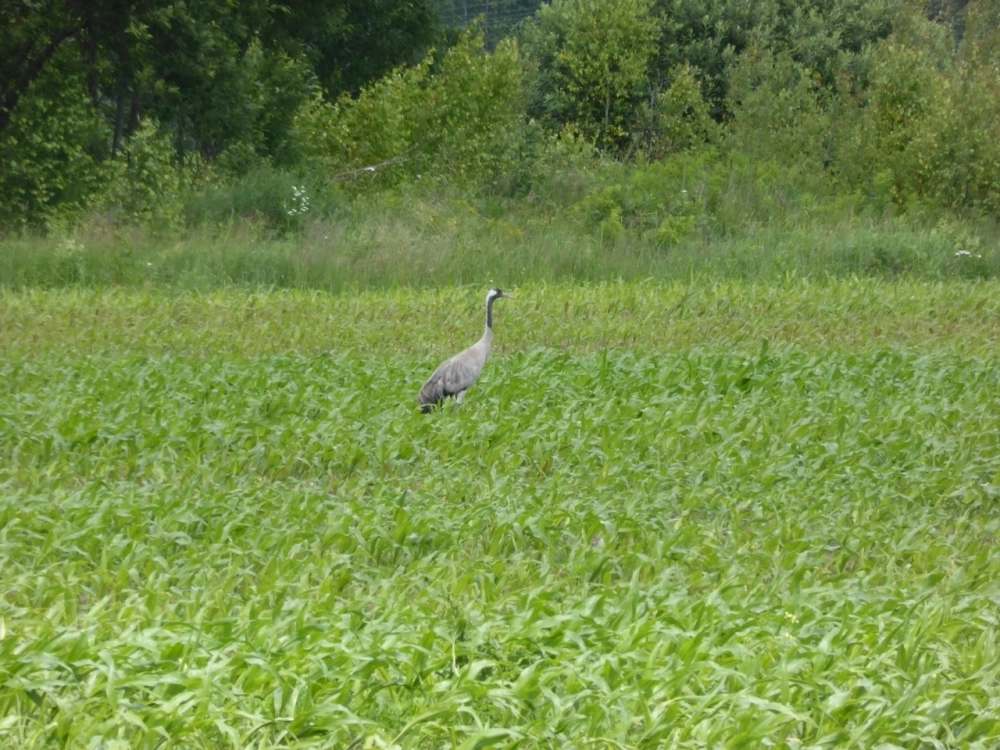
x,y
119,120
135,114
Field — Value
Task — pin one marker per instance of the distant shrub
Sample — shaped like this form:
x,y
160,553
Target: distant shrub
x,y
459,122
663,202
777,108
475,110
275,199
50,155
676,119
590,62
930,134
383,122
828,37
148,181
273,87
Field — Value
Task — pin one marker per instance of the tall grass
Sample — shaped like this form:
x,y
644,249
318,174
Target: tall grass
x,y
438,245
691,216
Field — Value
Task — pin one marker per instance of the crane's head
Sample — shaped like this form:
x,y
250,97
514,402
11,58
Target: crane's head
x,y
496,294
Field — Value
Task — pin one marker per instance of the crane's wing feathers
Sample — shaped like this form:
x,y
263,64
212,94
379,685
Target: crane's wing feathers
x,y
451,378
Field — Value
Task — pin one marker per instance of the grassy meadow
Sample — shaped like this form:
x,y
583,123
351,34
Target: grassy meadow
x,y
700,514
695,217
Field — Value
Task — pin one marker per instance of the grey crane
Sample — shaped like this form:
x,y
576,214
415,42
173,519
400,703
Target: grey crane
x,y
457,375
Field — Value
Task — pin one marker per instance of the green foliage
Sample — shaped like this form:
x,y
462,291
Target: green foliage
x,y
981,42
351,43
266,198
710,195
475,110
932,131
654,202
591,63
461,122
778,110
607,66
677,119
148,186
200,67
50,156
810,113
380,124
707,35
585,218
276,86
219,78
831,38
32,35
691,515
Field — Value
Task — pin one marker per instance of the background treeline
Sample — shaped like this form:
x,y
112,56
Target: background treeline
x,y
659,123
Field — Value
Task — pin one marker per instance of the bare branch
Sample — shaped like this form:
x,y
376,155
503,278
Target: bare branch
x,y
360,171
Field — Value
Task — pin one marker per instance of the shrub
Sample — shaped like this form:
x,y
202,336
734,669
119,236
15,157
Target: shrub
x,y
931,132
382,123
50,155
590,64
777,109
149,181
676,120
461,122
474,110
829,37
274,199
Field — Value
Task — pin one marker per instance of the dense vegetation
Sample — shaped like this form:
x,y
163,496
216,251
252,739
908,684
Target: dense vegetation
x,y
668,516
653,131
748,502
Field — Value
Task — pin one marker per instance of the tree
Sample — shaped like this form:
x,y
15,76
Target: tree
x,y
827,36
352,42
591,65
198,67
31,33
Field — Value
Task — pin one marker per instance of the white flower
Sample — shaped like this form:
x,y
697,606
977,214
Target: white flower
x,y
300,201
963,254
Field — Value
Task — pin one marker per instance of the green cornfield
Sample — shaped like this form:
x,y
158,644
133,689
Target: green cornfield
x,y
689,515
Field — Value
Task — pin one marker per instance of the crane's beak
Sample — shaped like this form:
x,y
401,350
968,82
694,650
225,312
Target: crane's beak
x,y
507,296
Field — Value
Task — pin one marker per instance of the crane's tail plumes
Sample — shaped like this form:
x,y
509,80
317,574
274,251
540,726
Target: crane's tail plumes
x,y
432,392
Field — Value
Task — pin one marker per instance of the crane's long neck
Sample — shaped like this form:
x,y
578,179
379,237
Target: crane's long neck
x,y
489,315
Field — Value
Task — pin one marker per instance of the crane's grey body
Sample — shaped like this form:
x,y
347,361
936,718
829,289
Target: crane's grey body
x,y
458,374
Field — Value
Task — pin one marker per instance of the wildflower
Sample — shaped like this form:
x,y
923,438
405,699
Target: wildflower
x,y
300,201
963,254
